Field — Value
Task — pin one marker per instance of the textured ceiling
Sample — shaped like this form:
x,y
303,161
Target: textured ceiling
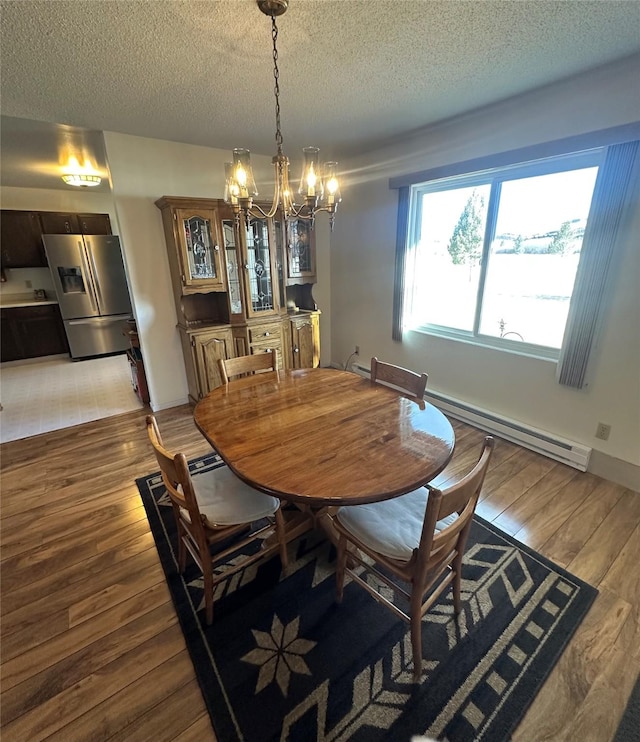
x,y
353,73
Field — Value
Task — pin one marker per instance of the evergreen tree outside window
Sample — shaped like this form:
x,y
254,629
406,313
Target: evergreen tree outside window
x,y
465,246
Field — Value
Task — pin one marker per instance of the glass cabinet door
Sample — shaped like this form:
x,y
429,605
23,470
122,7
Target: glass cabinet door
x,y
201,264
300,250
258,269
233,266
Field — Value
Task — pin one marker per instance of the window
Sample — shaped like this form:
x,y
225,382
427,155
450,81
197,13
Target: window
x,y
492,257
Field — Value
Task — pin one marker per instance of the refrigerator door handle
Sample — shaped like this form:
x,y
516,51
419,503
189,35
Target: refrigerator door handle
x,y
112,319
94,272
89,277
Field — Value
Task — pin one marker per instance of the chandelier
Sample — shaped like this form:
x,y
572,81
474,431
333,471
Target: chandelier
x,y
319,189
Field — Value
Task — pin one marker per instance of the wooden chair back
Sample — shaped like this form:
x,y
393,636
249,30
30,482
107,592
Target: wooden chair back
x,y
461,498
245,365
433,565
396,376
177,480
196,535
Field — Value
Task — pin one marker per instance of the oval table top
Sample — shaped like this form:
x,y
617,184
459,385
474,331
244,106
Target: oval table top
x,y
325,437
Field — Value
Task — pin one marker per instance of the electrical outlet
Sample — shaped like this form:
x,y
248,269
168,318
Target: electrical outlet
x,y
602,431
357,350
28,284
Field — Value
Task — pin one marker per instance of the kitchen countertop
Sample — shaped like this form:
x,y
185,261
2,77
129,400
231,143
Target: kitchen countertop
x,y
23,300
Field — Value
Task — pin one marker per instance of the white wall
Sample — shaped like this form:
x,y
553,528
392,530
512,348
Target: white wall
x,y
143,170
362,269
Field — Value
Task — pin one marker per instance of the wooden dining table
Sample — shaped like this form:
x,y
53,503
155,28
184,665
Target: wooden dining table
x,y
325,437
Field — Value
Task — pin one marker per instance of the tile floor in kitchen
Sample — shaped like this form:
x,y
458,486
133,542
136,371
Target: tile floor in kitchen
x,y
59,393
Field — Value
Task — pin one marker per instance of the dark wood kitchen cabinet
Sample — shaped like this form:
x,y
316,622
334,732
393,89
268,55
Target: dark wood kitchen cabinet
x,y
54,222
31,332
10,346
21,236
21,233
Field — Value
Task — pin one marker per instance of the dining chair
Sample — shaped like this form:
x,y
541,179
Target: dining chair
x,y
419,537
212,507
244,365
396,376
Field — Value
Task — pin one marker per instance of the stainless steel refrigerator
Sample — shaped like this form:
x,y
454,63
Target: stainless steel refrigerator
x,y
89,277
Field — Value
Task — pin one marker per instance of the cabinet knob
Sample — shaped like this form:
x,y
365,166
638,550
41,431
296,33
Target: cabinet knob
x,y
296,349
216,247
267,334
267,350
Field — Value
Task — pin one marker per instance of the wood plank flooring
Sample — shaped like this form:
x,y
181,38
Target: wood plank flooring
x,y
91,646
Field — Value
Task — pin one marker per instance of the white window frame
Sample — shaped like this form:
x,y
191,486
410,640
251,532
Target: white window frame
x,y
493,177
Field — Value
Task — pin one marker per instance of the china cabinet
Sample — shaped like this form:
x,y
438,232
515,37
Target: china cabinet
x,y
236,299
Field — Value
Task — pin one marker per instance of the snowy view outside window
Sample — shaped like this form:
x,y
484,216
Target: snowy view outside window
x,y
498,259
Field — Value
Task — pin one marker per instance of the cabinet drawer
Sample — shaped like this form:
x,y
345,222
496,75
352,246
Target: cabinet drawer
x,y
265,333
267,347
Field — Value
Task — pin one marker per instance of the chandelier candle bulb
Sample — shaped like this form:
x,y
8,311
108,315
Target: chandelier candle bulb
x,y
311,183
331,185
309,179
243,174
231,189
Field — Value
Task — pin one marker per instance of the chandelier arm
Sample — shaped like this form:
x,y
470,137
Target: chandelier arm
x,y
256,211
272,211
297,212
276,190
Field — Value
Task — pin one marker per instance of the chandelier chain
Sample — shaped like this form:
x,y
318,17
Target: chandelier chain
x,y
276,76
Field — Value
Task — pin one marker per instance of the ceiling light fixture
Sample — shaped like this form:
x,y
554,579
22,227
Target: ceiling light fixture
x,y
81,179
319,186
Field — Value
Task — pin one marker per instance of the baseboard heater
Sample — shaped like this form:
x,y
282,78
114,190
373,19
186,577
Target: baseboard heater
x,y
568,452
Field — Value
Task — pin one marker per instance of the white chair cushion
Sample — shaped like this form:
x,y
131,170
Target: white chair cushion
x,y
392,527
225,500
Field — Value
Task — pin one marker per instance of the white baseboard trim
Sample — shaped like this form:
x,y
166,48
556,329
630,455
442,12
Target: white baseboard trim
x,y
167,405
615,470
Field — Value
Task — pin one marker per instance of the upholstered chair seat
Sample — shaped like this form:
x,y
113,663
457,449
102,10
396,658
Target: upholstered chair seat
x,y
225,500
393,527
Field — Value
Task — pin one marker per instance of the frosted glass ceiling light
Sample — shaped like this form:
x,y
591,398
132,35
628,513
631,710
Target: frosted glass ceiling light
x,y
81,179
319,188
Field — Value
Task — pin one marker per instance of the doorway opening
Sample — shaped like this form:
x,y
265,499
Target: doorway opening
x,y
59,393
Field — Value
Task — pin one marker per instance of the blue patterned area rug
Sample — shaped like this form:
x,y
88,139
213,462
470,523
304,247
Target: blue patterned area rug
x,y
283,661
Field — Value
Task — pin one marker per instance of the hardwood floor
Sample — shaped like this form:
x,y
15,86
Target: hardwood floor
x,y
91,646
